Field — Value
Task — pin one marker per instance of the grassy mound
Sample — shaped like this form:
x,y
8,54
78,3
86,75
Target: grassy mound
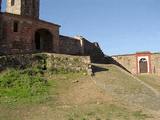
x,y
17,85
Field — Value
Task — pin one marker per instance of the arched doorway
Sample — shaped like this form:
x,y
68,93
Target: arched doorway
x,y
43,40
143,65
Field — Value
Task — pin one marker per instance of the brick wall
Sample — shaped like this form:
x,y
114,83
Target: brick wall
x,y
24,40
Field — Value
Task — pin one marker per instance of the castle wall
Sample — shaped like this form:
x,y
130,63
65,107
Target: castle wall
x,y
69,45
131,64
24,40
0,5
0,27
155,63
127,61
20,33
80,46
92,48
16,9
23,7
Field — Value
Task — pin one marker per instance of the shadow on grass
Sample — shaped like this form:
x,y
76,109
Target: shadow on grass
x,y
98,69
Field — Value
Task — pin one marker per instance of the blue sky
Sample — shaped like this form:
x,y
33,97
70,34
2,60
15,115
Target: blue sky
x,y
120,26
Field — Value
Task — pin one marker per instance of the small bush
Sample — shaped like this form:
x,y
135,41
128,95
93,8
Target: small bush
x,y
16,84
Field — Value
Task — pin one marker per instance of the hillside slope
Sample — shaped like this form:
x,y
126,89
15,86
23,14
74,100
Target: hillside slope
x,y
152,80
112,94
127,87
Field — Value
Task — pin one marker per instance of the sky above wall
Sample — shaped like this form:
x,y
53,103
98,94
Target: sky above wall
x,y
119,26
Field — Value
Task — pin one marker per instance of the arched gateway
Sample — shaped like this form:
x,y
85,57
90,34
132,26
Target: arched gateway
x,y
43,40
143,62
143,65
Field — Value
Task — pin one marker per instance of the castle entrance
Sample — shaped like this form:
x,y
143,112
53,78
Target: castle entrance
x,y
43,40
143,65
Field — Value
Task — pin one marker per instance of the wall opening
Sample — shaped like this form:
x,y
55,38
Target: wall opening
x,y
12,2
143,65
43,41
15,26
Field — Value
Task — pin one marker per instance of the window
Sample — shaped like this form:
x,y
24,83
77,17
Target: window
x,y
33,3
12,2
15,26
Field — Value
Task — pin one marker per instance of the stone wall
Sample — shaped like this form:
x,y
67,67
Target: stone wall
x,y
16,9
94,51
23,41
128,62
48,61
155,63
0,5
74,63
24,7
80,46
69,45
0,26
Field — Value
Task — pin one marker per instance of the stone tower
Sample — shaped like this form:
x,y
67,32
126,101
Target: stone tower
x,y
0,22
0,4
28,8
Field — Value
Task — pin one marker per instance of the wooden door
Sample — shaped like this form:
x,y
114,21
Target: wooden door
x,y
143,65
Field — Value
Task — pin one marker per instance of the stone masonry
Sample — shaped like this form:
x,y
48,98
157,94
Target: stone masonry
x,y
21,31
132,62
23,7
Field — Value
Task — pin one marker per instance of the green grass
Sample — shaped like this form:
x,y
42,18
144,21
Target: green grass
x,y
30,84
22,85
14,106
